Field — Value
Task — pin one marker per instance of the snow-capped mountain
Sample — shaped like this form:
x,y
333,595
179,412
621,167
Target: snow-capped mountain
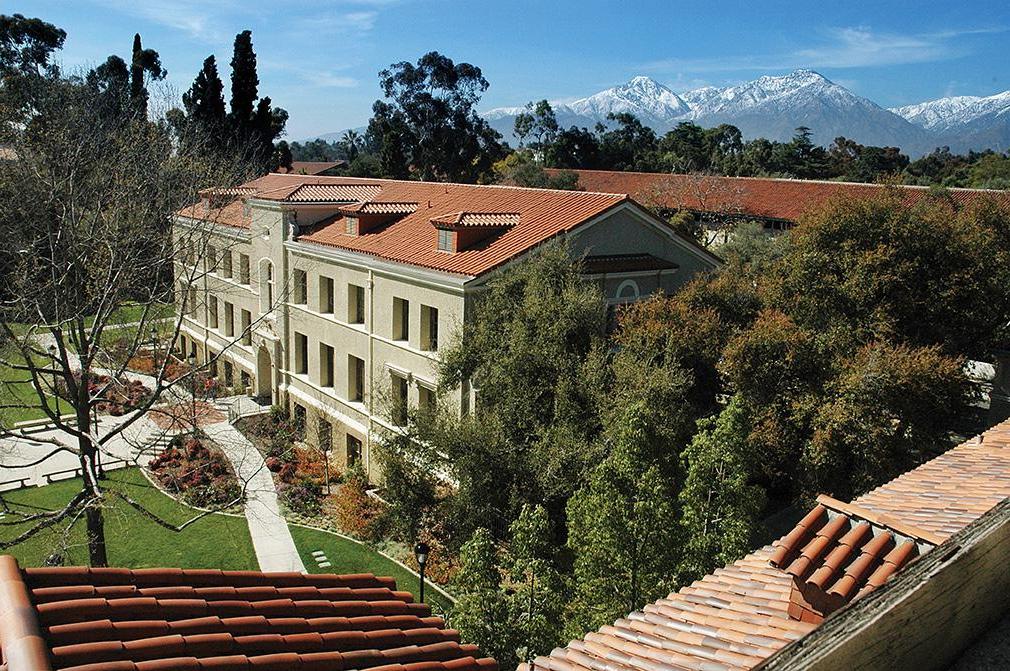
x,y
774,106
644,97
654,104
771,107
964,122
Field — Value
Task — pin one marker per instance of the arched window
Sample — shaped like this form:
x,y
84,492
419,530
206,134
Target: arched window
x,y
266,286
627,291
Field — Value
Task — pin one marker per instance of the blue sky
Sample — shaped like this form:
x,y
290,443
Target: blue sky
x,y
319,58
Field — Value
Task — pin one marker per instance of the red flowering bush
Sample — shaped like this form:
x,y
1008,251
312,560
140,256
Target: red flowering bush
x,y
117,398
200,475
357,513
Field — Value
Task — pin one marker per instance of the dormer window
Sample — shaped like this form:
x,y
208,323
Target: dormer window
x,y
446,240
458,231
351,225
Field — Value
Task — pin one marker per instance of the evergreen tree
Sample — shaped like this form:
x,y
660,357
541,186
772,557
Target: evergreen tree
x,y
282,156
720,505
244,85
511,599
205,120
622,529
144,63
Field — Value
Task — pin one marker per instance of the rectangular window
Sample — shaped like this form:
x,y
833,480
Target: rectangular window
x,y
212,311
325,365
429,328
425,399
398,412
355,304
444,240
326,295
401,319
212,358
301,353
211,259
229,319
226,268
243,269
353,450
229,374
192,301
246,327
244,379
355,378
299,417
324,435
351,225
301,291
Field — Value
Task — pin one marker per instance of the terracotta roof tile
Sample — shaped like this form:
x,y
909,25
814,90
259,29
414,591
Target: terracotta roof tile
x,y
527,216
781,199
149,619
741,614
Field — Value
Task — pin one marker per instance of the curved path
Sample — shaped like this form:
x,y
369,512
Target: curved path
x,y
275,549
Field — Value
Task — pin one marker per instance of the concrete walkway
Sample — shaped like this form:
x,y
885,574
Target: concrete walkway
x,y
275,549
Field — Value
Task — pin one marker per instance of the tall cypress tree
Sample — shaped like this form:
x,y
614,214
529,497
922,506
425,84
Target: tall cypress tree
x,y
204,103
244,85
144,62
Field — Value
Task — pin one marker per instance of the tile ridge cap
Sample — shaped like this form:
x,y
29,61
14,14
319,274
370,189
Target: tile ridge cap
x,y
881,520
21,640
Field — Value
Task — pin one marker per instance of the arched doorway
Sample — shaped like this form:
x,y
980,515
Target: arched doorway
x,y
264,376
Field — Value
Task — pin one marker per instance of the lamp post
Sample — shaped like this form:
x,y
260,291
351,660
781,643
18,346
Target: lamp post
x,y
421,554
52,353
192,385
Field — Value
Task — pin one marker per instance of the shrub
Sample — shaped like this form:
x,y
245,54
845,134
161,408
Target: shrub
x,y
200,475
357,513
302,496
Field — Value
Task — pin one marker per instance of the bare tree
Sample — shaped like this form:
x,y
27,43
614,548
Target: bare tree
x,y
86,224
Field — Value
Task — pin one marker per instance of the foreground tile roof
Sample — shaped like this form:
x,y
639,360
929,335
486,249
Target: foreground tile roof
x,y
527,217
740,615
781,199
81,619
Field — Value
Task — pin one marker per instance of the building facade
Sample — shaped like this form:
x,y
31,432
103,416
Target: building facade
x,y
334,296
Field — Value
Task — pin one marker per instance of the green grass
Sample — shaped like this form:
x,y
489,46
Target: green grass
x,y
350,557
132,540
15,389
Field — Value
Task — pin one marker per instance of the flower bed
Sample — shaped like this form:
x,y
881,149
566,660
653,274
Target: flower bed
x,y
117,398
196,471
299,471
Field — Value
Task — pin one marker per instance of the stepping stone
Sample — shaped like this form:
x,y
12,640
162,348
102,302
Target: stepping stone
x,y
318,553
325,564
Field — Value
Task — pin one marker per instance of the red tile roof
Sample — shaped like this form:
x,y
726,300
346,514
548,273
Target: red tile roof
x,y
782,199
536,215
311,167
81,619
743,613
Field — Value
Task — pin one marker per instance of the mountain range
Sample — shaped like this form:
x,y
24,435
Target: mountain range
x,y
773,107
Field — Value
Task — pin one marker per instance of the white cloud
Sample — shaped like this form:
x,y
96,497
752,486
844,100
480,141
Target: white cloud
x,y
201,20
848,47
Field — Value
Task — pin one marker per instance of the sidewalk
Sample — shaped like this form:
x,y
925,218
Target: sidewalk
x,y
275,549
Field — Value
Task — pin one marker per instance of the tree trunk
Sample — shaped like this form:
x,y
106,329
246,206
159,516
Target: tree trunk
x,y
96,537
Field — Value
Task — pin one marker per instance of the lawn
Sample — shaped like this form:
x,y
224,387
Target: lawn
x,y
349,557
14,389
216,541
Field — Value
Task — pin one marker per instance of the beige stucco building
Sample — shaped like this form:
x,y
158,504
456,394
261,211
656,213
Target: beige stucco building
x,y
334,295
